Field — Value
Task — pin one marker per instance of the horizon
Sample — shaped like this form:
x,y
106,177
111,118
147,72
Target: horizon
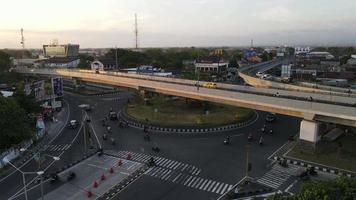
x,y
106,24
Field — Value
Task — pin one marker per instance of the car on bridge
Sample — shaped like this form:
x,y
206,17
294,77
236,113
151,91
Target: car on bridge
x,y
210,85
266,77
259,74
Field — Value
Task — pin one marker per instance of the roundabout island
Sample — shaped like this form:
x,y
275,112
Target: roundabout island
x,y
168,111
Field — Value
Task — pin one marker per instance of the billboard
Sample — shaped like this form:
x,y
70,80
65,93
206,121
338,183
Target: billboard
x,y
39,89
57,86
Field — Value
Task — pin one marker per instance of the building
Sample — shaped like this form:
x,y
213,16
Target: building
x,y
59,63
301,50
320,55
352,60
211,64
61,50
103,64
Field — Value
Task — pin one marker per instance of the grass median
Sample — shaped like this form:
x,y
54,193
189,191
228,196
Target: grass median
x,y
340,153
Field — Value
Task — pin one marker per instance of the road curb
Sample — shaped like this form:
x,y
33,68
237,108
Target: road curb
x,y
134,124
318,167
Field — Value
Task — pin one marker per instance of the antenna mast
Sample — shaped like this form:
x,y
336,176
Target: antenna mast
x,y
136,32
251,43
22,43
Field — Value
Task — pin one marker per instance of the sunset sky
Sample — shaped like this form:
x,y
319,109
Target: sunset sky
x,y
109,23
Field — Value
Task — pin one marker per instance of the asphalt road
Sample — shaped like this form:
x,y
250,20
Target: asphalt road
x,y
216,162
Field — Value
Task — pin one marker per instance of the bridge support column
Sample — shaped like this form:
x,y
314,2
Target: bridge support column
x,y
309,135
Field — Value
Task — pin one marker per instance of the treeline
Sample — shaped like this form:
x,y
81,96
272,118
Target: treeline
x,y
17,113
172,58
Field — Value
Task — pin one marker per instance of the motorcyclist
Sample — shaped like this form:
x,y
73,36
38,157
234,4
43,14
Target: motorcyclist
x,y
261,141
271,131
250,137
108,128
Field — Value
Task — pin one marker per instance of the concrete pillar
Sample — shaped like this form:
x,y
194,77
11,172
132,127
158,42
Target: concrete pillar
x,y
309,135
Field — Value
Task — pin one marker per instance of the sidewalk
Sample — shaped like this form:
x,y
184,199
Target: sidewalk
x,y
53,129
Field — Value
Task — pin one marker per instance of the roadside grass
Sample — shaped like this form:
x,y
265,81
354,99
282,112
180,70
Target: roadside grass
x,y
167,112
331,154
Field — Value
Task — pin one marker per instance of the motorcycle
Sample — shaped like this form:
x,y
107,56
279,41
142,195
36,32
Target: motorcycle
x,y
156,149
227,141
261,141
271,131
250,137
105,137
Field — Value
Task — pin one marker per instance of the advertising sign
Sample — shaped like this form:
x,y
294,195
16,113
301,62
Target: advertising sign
x,y
57,86
39,89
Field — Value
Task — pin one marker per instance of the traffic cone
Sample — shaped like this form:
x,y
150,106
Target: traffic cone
x,y
89,194
95,184
119,163
103,177
111,170
129,156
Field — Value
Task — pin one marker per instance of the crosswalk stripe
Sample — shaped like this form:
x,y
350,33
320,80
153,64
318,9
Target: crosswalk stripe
x,y
221,185
203,184
268,183
170,172
155,171
174,180
207,185
185,166
172,164
216,185
197,181
182,178
211,186
165,162
68,145
159,171
148,171
164,173
179,163
200,182
190,177
159,160
223,190
192,181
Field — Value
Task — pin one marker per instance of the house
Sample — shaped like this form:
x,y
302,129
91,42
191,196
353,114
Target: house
x,y
211,64
103,64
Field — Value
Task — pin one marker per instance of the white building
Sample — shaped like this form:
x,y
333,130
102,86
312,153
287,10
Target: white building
x,y
301,50
103,64
60,62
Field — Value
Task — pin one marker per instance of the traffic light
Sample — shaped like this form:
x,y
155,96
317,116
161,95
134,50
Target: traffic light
x,y
249,167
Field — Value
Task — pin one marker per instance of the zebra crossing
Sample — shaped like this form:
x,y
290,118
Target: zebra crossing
x,y
57,147
162,162
278,175
189,180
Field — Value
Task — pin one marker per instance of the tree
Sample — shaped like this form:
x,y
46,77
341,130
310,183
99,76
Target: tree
x,y
28,103
342,188
15,126
4,61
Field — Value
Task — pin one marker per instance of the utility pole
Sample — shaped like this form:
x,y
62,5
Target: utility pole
x,y
136,33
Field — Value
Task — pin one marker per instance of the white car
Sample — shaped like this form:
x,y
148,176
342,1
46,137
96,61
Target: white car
x,y
266,77
259,74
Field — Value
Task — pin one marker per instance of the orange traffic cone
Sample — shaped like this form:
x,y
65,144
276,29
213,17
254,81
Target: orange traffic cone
x,y
103,177
111,170
95,184
119,163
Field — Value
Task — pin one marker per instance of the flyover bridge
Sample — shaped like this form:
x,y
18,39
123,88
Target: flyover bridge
x,y
312,112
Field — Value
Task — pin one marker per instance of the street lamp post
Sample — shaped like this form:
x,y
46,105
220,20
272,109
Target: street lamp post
x,y
40,173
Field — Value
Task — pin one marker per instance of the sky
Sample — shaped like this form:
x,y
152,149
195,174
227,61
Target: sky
x,y
178,23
